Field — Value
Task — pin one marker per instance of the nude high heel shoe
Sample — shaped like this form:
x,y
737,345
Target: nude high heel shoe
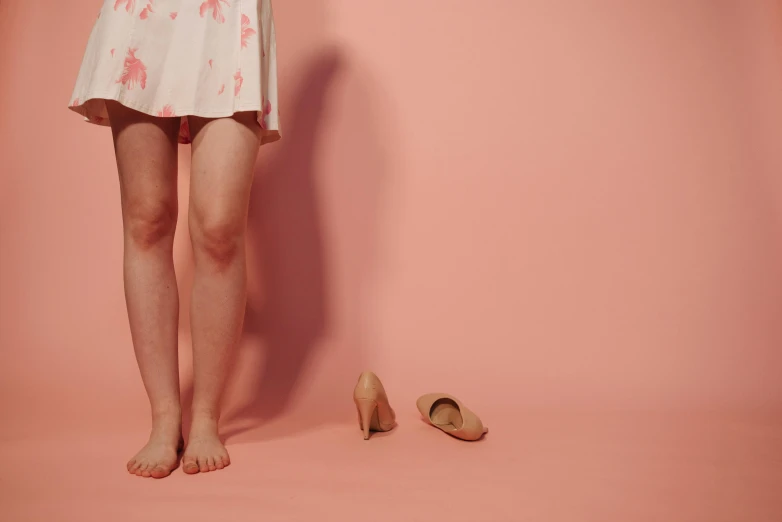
x,y
451,416
374,411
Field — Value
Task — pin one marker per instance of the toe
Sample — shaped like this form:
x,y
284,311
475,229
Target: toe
x,y
219,463
137,464
131,465
226,460
203,465
160,471
210,462
189,465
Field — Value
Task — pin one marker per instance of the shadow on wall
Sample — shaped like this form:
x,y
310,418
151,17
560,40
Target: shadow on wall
x,y
306,321
286,234
303,344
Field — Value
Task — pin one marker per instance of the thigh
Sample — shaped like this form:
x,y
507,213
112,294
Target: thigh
x,y
222,169
146,150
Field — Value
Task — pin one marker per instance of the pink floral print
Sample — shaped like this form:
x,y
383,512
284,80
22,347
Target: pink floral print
x,y
134,71
236,75
239,81
247,32
146,11
267,109
130,5
167,112
217,9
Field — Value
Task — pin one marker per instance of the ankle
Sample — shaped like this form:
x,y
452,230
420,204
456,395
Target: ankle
x,y
204,424
167,415
205,415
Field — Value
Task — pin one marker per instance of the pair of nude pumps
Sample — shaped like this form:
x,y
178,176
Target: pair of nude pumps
x,y
438,409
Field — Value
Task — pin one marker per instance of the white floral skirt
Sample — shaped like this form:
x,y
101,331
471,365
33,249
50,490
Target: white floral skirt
x,y
176,58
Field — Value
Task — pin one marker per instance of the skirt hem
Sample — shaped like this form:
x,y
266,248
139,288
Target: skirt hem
x,y
100,116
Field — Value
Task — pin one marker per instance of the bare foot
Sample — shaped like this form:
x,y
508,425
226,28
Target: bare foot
x,y
204,451
161,454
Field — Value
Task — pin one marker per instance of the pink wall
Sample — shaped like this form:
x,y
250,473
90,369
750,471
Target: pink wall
x,y
536,203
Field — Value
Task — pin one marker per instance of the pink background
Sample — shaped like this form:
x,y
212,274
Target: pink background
x,y
566,213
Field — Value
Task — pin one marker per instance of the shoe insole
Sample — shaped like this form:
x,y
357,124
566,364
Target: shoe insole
x,y
445,414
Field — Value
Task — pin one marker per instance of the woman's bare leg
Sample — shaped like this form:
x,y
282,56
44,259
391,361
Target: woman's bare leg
x,y
224,154
146,150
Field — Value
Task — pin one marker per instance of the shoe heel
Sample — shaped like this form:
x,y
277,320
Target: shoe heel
x,y
366,410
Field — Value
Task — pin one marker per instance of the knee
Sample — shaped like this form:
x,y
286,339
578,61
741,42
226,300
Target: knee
x,y
217,240
149,224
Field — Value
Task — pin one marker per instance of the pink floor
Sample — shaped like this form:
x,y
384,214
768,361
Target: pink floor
x,y
574,467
